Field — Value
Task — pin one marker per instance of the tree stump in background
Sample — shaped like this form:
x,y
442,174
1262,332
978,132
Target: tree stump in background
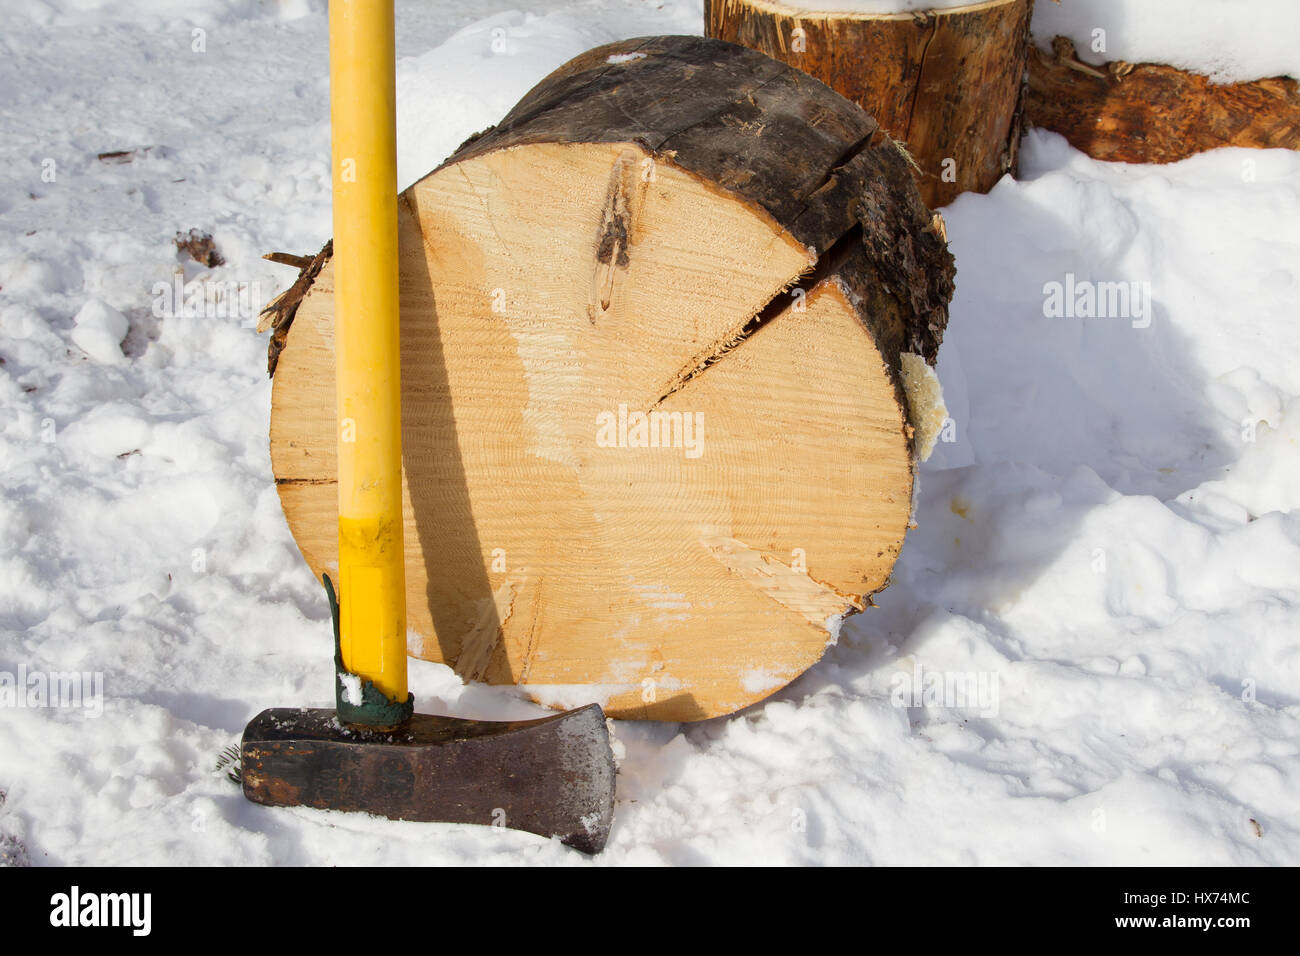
x,y
948,83
665,334
1152,113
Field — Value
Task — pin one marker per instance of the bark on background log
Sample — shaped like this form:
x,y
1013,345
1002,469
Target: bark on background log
x,y
947,83
1152,113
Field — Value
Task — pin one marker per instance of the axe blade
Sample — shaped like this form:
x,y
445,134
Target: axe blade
x,y
553,776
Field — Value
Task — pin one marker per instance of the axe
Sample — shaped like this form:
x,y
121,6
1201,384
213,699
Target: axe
x,y
371,753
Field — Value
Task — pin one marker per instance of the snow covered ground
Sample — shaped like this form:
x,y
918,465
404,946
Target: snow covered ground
x,y
1103,581
1231,41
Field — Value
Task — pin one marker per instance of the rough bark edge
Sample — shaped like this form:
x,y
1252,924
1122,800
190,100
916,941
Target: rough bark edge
x,y
279,314
903,281
1153,113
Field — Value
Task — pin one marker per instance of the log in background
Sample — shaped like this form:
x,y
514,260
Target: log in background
x,y
1152,113
948,83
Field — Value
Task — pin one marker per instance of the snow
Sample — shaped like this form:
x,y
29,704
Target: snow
x,y
1231,41
351,689
1102,582
480,72
99,331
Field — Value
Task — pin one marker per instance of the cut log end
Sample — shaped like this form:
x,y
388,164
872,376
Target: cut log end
x,y
655,434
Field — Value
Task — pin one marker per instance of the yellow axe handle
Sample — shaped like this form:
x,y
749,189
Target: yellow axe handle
x,y
372,574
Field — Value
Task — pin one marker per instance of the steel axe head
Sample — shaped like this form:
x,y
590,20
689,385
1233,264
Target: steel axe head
x,y
553,776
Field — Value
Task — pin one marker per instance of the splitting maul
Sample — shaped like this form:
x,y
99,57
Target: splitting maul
x,y
553,776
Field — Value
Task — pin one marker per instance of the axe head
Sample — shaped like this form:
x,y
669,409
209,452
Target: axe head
x,y
553,776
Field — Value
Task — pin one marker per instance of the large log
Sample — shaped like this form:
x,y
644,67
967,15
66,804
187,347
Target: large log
x,y
1153,113
948,83
667,225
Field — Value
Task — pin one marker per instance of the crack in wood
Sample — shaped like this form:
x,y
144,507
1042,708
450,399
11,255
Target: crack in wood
x,y
809,280
920,75
857,148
